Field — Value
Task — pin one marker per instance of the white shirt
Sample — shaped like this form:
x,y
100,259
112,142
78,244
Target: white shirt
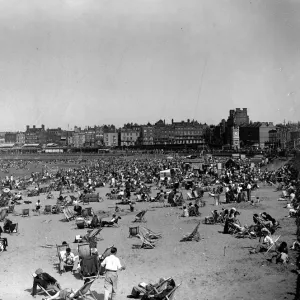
x,y
268,241
111,263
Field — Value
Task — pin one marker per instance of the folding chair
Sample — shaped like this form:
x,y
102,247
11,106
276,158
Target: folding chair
x,y
84,290
68,214
25,212
48,209
151,234
12,229
92,234
133,231
84,250
189,196
140,217
86,200
170,296
146,244
275,239
89,267
194,236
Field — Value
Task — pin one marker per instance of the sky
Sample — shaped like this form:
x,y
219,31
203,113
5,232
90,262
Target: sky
x,y
92,62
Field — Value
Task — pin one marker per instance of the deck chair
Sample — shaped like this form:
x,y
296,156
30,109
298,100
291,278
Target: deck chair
x,y
3,214
92,234
25,212
194,236
151,234
69,215
140,217
84,250
48,209
275,239
146,244
86,200
133,231
178,200
190,197
85,290
61,250
89,266
73,198
170,296
13,228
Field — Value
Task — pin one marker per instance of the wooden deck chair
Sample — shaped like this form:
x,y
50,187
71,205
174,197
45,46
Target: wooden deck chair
x,y
140,217
69,215
146,244
151,234
275,239
85,290
92,234
189,196
25,212
84,250
3,214
178,200
48,209
170,296
133,231
88,260
194,236
13,228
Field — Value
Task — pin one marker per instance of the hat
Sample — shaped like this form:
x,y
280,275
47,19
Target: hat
x,y
265,230
37,272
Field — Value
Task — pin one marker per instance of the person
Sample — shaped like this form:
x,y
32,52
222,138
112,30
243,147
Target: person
x,y
68,259
282,253
45,280
4,240
9,226
161,295
185,212
78,209
38,206
112,264
266,243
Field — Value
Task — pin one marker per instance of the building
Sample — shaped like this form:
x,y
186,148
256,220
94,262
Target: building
x,y
35,135
190,132
20,138
10,137
146,137
256,134
130,135
54,135
2,137
78,139
110,139
235,138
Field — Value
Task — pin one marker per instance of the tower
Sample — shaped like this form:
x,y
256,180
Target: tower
x,y
235,142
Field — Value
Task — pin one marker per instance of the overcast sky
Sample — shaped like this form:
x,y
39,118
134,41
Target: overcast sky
x,y
93,62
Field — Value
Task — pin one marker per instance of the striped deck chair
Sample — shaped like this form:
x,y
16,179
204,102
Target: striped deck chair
x,y
25,212
170,296
69,215
48,209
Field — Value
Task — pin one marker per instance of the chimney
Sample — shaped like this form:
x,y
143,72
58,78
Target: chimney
x,y
172,121
188,120
43,126
33,126
27,127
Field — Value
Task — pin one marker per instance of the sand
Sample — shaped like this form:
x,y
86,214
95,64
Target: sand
x,y
204,269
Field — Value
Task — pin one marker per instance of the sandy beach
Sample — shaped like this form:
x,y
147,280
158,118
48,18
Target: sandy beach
x,y
217,267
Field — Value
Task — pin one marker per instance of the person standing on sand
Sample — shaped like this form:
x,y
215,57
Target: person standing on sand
x,y
112,264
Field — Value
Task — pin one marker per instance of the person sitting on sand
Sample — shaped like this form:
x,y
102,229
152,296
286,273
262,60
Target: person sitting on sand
x,y
78,209
3,243
38,206
282,253
185,212
45,280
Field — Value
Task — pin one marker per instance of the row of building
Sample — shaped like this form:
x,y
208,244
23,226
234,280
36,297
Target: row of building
x,y
239,132
236,132
184,132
